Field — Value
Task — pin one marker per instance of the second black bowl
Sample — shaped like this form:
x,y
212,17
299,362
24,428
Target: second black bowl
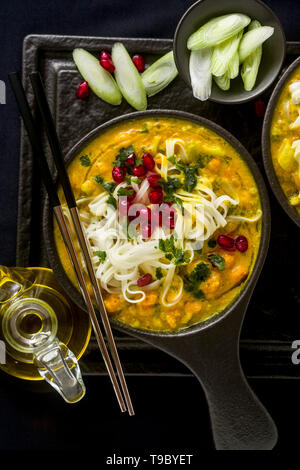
x,y
273,49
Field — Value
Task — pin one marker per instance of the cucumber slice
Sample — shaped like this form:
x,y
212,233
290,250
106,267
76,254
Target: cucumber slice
x,y
217,30
159,74
253,39
128,78
100,80
251,64
223,81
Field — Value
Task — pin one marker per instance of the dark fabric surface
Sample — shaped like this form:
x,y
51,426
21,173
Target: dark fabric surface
x,y
167,408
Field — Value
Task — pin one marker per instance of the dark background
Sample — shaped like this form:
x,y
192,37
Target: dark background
x,y
166,408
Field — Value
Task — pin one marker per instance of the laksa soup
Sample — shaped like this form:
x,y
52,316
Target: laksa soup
x,y
173,218
285,140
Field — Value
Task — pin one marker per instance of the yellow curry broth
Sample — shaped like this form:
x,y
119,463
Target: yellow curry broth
x,y
225,173
281,138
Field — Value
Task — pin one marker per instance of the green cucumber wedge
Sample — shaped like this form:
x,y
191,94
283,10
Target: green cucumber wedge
x,y
159,74
223,81
100,80
217,30
251,64
128,78
253,39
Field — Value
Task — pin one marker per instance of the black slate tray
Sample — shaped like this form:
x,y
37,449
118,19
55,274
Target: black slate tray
x,y
272,322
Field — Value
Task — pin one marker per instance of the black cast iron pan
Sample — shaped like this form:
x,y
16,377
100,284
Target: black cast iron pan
x,y
266,145
209,349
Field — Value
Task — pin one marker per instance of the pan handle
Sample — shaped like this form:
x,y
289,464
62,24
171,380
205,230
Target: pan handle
x,y
239,420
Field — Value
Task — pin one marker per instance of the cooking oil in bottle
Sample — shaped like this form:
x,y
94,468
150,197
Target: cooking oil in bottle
x,y
44,333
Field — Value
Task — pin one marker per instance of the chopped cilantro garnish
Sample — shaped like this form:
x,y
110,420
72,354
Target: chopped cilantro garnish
x,y
109,187
125,192
212,243
177,255
190,178
101,255
158,273
111,200
139,161
170,186
199,294
218,261
167,245
98,179
197,276
132,179
181,257
200,273
136,180
172,159
123,154
190,174
85,160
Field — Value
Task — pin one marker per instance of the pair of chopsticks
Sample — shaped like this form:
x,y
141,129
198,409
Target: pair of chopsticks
x,y
40,157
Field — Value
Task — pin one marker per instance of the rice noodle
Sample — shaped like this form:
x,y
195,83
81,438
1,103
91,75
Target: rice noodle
x,y
127,259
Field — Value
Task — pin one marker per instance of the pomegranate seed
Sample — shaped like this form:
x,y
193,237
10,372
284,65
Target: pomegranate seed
x,y
139,62
260,108
118,174
131,159
107,65
148,161
82,91
105,55
144,280
241,243
123,205
225,242
106,61
139,170
131,197
153,180
156,196
145,214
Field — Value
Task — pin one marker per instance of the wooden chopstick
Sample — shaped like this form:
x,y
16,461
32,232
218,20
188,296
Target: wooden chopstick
x,y
39,156
54,143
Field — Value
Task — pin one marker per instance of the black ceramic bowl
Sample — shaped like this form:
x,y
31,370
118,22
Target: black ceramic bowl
x,y
211,348
273,49
266,145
